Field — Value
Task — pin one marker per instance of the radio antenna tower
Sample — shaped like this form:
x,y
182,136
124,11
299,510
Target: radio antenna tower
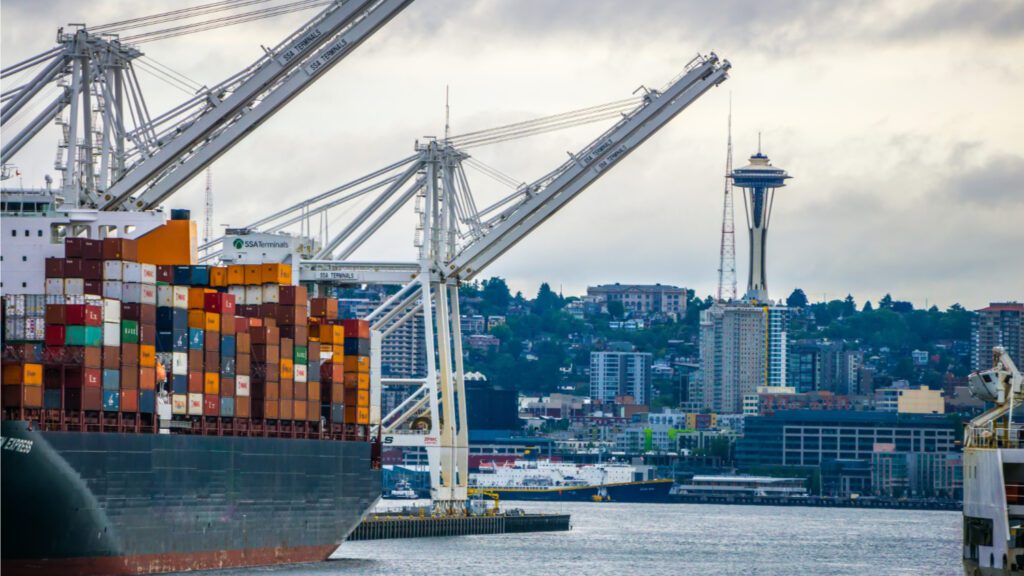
x,y
208,215
727,254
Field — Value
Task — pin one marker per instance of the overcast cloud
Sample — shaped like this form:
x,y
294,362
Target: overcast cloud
x,y
900,121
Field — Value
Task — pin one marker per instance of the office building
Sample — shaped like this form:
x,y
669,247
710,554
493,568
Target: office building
x,y
643,299
999,324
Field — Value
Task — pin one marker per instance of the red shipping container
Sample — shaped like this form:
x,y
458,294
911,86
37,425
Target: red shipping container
x,y
54,268
241,324
73,247
195,359
211,405
227,387
165,274
242,407
92,270
356,328
147,378
19,396
147,333
121,249
83,399
324,307
211,342
301,391
53,377
292,315
195,382
93,287
211,362
313,411
219,302
130,378
243,342
129,400
287,348
92,249
83,315
129,354
112,357
55,314
92,356
55,334
287,390
243,366
293,295
265,335
72,267
268,310
299,334
92,378
227,324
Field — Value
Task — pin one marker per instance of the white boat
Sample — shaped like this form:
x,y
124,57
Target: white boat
x,y
403,491
993,518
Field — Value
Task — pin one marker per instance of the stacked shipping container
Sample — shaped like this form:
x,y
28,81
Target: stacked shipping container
x,y
234,342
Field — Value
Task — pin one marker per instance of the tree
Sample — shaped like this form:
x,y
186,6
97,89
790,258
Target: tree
x,y
797,299
496,295
546,301
868,307
885,303
616,309
849,306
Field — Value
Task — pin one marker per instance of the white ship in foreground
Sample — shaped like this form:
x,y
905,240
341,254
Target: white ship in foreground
x,y
993,534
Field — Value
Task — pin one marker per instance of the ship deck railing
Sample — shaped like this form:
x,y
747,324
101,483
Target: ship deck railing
x,y
995,436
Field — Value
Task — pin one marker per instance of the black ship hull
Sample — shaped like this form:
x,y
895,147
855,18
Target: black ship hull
x,y
649,491
111,503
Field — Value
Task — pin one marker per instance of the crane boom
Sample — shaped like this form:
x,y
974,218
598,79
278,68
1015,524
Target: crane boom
x,y
551,193
255,97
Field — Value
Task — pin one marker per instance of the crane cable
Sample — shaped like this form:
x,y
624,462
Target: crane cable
x,y
204,25
174,15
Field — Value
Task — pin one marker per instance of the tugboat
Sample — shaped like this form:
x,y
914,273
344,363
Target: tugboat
x,y
993,534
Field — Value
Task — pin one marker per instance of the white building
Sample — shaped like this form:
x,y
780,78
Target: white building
x,y
620,373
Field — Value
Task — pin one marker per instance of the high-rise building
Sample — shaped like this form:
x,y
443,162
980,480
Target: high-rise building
x,y
1000,324
620,374
742,347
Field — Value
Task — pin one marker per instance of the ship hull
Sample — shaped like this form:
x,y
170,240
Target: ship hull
x,y
653,491
110,503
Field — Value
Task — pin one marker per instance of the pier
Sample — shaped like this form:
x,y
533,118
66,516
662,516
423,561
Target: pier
x,y
404,525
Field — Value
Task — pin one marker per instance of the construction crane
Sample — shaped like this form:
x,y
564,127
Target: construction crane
x,y
455,241
727,245
139,160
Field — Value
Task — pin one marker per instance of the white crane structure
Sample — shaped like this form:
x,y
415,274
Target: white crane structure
x,y
119,157
455,241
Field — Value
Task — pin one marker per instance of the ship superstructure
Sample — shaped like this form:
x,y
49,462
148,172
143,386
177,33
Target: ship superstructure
x,y
993,519
550,480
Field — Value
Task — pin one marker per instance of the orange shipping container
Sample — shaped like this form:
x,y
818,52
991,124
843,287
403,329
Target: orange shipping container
x,y
147,378
276,274
27,374
211,322
360,364
211,383
196,319
197,298
236,275
26,396
355,415
330,334
299,410
313,391
253,274
286,409
147,355
287,369
218,276
271,410
360,381
313,411
355,397
173,244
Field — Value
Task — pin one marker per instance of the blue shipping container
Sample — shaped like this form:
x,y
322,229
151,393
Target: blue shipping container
x,y
111,400
227,407
195,339
111,379
227,366
183,275
179,384
51,399
147,400
171,319
200,276
227,345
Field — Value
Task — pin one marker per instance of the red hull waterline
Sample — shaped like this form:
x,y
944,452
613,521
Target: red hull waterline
x,y
160,563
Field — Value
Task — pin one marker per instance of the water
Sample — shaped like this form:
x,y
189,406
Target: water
x,y
655,539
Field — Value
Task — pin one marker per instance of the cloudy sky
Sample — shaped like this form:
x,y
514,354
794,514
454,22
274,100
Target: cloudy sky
x,y
901,123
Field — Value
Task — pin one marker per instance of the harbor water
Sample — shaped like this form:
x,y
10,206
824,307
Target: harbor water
x,y
654,539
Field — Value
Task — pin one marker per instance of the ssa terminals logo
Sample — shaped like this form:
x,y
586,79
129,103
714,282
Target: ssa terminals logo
x,y
238,244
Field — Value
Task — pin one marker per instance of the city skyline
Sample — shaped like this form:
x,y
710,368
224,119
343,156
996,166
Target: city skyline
x,y
875,108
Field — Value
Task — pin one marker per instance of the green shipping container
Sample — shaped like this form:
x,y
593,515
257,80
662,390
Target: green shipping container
x,y
83,336
301,355
129,332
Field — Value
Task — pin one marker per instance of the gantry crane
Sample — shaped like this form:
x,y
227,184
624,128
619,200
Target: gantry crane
x,y
140,161
455,242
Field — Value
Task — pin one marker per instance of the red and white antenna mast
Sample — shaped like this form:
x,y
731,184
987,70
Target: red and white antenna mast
x,y
727,254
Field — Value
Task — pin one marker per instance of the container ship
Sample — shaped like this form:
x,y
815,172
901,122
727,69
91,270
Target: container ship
x,y
158,415
562,481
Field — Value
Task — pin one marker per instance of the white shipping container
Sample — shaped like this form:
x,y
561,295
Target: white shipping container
x,y
54,286
271,293
165,296
74,299
241,385
111,310
253,295
92,300
112,269
148,294
148,273
112,289
179,404
131,292
111,333
131,272
15,305
56,298
195,404
179,363
300,373
238,292
181,297
35,305
14,328
35,328
74,286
